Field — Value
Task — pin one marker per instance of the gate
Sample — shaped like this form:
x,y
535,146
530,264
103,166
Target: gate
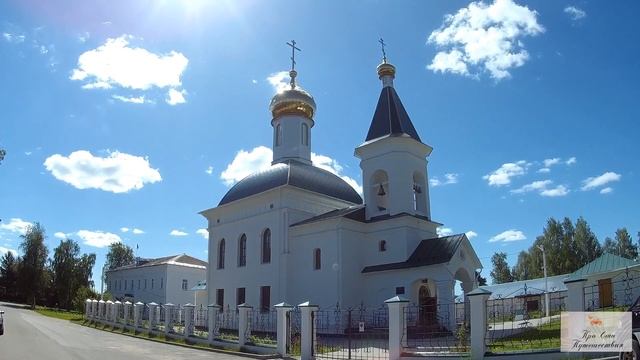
x,y
352,333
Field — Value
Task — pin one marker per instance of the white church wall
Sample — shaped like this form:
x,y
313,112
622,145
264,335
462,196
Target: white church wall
x,y
151,276
175,294
380,286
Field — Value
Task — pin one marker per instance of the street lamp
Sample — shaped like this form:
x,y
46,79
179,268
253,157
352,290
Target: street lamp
x,y
102,283
546,285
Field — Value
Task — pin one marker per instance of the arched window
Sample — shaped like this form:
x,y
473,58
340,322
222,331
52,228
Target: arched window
x,y
221,254
278,135
266,246
382,246
305,134
317,259
242,250
419,195
379,190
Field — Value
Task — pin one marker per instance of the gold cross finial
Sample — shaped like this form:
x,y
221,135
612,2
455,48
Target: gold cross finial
x,y
293,72
384,54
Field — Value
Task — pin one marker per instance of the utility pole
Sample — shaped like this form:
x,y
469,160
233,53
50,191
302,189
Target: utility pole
x,y
102,283
546,285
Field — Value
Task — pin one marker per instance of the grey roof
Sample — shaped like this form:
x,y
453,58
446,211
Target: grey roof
x,y
182,260
429,252
294,173
606,262
202,285
356,213
526,287
390,117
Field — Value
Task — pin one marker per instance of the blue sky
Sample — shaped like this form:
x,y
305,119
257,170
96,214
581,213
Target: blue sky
x,y
138,114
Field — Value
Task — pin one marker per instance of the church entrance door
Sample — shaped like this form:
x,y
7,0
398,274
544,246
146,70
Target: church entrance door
x,y
428,306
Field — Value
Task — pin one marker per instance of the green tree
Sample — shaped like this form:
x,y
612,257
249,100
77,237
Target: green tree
x,y
522,269
82,294
84,270
626,247
64,264
482,281
119,255
9,274
32,267
587,245
501,272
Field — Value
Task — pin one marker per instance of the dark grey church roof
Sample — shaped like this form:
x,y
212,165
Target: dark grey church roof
x,y
390,117
294,173
357,213
429,252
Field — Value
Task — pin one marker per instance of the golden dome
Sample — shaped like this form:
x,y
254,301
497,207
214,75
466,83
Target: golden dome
x,y
293,102
385,69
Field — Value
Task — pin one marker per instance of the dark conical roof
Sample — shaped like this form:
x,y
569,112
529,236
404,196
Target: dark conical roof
x,y
390,117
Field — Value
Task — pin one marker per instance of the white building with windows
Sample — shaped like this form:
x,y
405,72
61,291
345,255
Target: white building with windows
x,y
295,232
163,280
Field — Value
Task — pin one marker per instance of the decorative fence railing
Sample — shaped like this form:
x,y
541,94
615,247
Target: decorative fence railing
x,y
615,293
435,329
263,327
351,333
512,326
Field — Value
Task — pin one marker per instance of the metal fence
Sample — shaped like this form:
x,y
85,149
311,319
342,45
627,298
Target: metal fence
x,y
228,324
512,325
263,326
616,293
435,328
351,333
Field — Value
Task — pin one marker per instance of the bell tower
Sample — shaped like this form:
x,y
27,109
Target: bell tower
x,y
393,159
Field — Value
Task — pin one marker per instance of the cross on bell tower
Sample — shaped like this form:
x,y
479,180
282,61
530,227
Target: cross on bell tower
x,y
293,72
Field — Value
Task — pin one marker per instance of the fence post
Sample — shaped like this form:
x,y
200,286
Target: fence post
x,y
397,325
575,294
188,319
127,309
446,303
152,316
137,315
94,309
87,309
478,299
168,317
307,330
244,323
282,327
212,319
116,312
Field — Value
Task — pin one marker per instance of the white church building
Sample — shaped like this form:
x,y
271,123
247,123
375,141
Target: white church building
x,y
295,232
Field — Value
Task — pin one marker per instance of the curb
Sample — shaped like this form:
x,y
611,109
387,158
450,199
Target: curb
x,y
188,346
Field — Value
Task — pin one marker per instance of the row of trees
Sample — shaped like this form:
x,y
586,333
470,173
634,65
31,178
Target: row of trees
x,y
62,281
568,246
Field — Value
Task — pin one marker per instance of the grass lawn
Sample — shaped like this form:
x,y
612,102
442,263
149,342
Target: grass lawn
x,y
59,314
545,336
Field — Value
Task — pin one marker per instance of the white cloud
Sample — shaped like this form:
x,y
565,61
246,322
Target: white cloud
x,y
448,179
571,161
559,190
279,81
484,37
444,231
246,163
99,239
597,181
209,170
13,38
137,231
117,173
16,225
178,233
60,235
471,234
550,162
84,37
124,229
502,175
575,13
203,232
606,190
254,81
132,99
116,64
259,158
175,97
542,187
544,170
4,250
508,236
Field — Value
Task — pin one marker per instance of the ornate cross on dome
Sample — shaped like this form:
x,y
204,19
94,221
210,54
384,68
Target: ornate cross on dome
x,y
293,72
384,54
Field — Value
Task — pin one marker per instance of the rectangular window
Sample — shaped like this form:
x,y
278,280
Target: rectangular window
x,y
400,290
131,284
138,284
265,298
161,282
240,296
185,284
145,283
220,297
152,283
125,284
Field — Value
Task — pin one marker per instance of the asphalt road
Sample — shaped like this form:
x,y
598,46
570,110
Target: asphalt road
x,y
29,335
